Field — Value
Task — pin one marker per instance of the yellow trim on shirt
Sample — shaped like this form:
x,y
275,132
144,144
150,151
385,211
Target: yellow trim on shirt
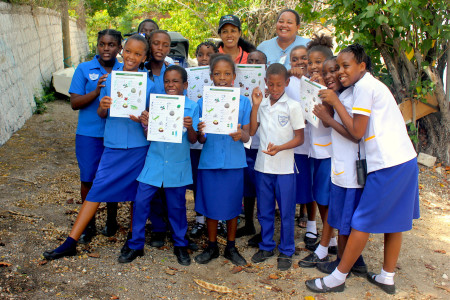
x,y
369,138
338,173
323,145
362,109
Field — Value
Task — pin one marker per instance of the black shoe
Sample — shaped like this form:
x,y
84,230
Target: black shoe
x,y
88,234
52,254
207,255
310,242
360,271
328,267
234,256
388,288
311,261
130,255
157,239
261,256
110,229
311,284
255,240
198,230
192,245
246,230
284,262
125,247
182,255
331,249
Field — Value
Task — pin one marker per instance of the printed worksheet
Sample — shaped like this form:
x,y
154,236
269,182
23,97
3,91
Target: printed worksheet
x,y
128,93
198,77
165,120
309,97
248,77
220,109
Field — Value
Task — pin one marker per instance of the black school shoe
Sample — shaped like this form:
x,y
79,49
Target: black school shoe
x,y
255,240
261,256
207,255
244,231
284,262
110,229
157,239
131,255
331,249
234,256
52,254
329,267
182,255
88,234
311,261
311,284
310,242
388,288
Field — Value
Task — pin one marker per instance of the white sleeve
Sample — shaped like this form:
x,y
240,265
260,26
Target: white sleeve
x,y
363,95
296,115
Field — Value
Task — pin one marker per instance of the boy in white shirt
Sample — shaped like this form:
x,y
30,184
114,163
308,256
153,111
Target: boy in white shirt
x,y
281,130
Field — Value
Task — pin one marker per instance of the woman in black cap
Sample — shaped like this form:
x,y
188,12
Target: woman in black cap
x,y
232,43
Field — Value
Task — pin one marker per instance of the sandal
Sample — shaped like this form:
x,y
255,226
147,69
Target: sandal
x,y
310,242
311,284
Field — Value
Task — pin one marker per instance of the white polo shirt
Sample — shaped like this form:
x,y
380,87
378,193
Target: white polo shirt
x,y
386,140
277,123
345,152
320,142
293,92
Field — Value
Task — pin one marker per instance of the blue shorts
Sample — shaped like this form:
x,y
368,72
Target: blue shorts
x,y
88,150
343,203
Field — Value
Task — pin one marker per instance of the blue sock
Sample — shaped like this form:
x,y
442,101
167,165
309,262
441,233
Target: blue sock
x,y
360,261
231,244
212,244
68,243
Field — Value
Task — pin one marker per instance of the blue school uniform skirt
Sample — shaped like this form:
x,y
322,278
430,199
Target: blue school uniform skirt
x,y
343,203
303,179
88,150
390,200
321,180
219,193
115,180
249,173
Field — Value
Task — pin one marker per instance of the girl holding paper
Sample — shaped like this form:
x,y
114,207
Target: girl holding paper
x,y
122,159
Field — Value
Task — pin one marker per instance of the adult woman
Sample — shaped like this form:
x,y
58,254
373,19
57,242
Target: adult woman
x,y
232,43
279,48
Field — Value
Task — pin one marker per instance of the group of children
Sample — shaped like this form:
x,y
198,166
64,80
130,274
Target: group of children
x,y
289,161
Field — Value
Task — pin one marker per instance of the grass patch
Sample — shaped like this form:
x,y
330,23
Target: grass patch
x,y
47,95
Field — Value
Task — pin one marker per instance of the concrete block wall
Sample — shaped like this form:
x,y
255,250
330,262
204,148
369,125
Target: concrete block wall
x,y
30,51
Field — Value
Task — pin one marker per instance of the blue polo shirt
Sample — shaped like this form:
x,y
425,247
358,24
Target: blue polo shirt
x,y
274,53
219,150
84,81
123,133
169,164
157,80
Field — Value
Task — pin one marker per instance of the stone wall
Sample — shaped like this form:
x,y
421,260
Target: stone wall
x,y
30,51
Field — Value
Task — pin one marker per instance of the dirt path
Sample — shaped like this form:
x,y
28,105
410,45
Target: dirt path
x,y
39,194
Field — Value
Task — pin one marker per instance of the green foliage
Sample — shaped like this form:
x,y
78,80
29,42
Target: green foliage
x,y
413,133
47,95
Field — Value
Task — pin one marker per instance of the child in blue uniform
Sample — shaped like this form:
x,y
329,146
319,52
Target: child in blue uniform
x,y
123,157
220,184
280,121
87,81
390,199
203,54
167,165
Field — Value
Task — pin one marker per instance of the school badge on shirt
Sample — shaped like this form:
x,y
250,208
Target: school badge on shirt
x,y
283,120
93,76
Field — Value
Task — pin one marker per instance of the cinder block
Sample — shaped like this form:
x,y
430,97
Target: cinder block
x,y
426,159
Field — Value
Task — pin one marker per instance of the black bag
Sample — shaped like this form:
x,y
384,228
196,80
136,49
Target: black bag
x,y
361,169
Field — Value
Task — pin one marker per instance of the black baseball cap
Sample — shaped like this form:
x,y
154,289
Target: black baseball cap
x,y
229,19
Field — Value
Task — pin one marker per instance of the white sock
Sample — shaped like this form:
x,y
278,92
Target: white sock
x,y
385,277
311,227
200,219
333,242
334,279
321,251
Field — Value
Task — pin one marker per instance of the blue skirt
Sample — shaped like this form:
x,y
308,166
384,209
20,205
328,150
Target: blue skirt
x,y
115,180
219,193
343,203
195,159
321,180
249,173
88,150
390,200
303,179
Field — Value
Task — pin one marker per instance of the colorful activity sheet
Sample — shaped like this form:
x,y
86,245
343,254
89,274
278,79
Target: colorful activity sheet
x,y
128,93
220,109
197,78
309,97
165,120
248,77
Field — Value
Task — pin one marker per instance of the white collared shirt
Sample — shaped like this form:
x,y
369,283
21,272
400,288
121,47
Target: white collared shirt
x,y
345,152
386,140
277,123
